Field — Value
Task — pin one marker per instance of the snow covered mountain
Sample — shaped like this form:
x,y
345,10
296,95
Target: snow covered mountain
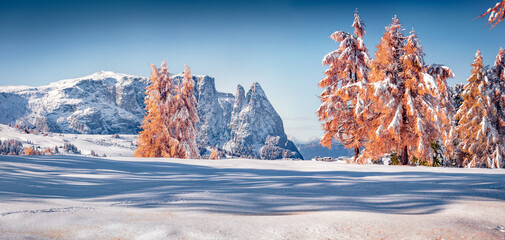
x,y
256,127
108,103
101,103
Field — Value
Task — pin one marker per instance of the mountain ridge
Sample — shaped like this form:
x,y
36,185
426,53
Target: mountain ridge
x,y
106,102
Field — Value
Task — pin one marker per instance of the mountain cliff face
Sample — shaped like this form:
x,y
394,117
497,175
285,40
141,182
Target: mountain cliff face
x,y
106,103
257,128
101,103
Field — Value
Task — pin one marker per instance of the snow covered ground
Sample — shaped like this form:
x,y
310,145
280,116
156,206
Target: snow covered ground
x,y
77,197
124,145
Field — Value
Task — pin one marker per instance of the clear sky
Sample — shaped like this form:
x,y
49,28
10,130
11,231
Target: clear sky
x,y
279,44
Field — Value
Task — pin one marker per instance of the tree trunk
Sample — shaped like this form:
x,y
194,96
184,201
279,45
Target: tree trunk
x,y
356,153
405,156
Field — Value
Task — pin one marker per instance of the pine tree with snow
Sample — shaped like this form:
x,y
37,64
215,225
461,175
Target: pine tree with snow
x,y
385,77
499,65
148,140
406,101
446,109
344,89
168,105
480,140
496,13
456,95
497,88
155,140
186,117
387,63
498,84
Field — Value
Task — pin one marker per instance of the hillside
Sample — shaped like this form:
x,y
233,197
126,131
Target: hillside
x,y
109,145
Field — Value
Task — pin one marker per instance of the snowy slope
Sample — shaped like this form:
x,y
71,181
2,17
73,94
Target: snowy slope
x,y
72,197
124,145
102,103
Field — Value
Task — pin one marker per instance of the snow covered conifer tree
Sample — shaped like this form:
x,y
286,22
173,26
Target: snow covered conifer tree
x,y
498,93
499,65
446,110
186,117
170,146
155,139
498,80
345,89
480,141
385,77
149,144
496,13
405,100
421,120
387,61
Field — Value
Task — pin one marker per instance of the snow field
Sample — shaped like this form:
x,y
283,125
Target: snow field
x,y
100,144
76,197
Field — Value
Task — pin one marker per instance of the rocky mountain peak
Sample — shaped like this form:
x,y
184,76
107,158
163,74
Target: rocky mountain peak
x,y
256,90
106,103
239,99
255,124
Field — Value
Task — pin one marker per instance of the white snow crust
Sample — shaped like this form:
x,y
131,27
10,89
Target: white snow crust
x,y
76,197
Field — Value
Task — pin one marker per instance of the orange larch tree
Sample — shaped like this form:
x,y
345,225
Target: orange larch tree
x,y
155,139
344,89
186,117
480,141
148,140
406,103
168,105
385,78
496,13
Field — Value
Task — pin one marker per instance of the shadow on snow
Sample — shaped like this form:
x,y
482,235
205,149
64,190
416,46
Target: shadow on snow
x,y
147,184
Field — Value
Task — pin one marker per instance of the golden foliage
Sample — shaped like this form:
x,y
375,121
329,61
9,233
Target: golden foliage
x,y
186,117
496,13
169,128
31,151
405,111
155,140
213,155
343,95
479,121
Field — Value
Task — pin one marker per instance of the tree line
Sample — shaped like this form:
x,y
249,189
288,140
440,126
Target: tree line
x,y
395,104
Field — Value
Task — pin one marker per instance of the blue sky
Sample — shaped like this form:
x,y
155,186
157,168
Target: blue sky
x,y
279,44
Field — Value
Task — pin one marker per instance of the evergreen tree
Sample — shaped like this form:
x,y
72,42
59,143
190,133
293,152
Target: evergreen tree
x,y
498,90
498,84
456,95
344,89
480,141
446,110
499,65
